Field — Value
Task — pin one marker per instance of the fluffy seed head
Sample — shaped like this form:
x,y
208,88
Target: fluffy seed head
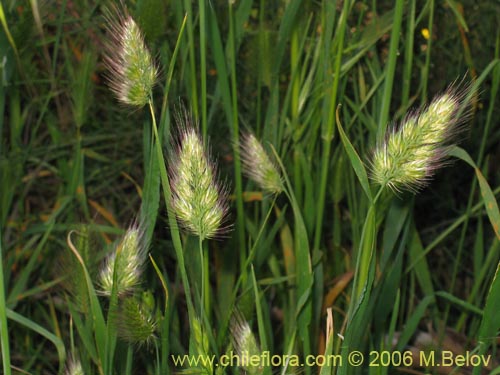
x,y
258,166
245,343
123,267
411,153
132,72
136,319
74,367
197,200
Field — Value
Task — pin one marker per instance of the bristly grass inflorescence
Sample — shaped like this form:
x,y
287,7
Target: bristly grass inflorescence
x,y
74,367
258,166
198,200
245,343
123,267
136,320
410,153
132,73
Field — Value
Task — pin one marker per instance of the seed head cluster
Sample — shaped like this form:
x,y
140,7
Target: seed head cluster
x,y
258,166
197,200
411,153
132,72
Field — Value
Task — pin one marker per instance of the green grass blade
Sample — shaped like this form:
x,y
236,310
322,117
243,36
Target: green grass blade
x,y
170,72
260,318
304,271
445,233
220,62
151,189
22,281
361,289
360,306
457,301
390,336
355,160
4,332
203,66
58,343
428,51
193,87
235,128
391,68
165,324
422,270
490,324
5,26
412,323
456,11
395,219
329,128
84,334
97,316
408,56
490,203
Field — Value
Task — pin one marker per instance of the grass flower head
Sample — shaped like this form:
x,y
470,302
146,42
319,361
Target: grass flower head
x,y
74,367
410,153
258,166
245,343
123,268
198,201
132,72
137,322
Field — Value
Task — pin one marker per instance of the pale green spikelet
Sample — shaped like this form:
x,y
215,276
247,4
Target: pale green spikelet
x,y
74,367
136,320
410,153
132,72
197,200
258,166
123,268
245,344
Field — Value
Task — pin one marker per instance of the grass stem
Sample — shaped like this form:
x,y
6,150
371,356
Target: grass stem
x,y
4,333
240,218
